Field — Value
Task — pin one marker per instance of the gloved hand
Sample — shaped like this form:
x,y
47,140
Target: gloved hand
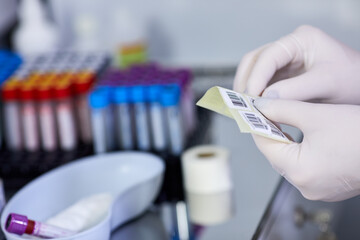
x,y
326,164
312,66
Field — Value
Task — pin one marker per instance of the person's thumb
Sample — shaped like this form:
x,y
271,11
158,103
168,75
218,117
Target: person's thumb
x,y
282,156
297,88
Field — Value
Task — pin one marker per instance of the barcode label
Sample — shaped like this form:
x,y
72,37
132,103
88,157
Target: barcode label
x,y
236,100
274,129
241,107
255,121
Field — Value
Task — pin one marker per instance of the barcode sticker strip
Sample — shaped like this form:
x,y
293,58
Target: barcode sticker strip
x,y
236,100
274,129
255,122
241,107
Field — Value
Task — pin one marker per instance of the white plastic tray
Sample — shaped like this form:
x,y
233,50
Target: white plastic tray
x,y
133,178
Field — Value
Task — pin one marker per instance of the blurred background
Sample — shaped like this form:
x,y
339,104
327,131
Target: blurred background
x,y
86,77
196,33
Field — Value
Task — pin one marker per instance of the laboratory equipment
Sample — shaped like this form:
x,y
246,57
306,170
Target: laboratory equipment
x,y
141,117
55,82
100,107
46,115
9,62
82,86
28,117
157,118
65,115
138,178
11,113
208,184
33,19
123,118
20,224
2,196
151,103
170,99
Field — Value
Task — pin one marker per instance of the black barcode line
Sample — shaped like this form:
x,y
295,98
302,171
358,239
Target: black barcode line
x,y
274,129
237,101
255,121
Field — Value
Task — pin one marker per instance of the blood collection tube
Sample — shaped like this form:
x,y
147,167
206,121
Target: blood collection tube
x,y
141,118
123,118
29,117
170,98
109,118
158,130
82,86
20,224
100,104
11,108
187,100
65,115
46,116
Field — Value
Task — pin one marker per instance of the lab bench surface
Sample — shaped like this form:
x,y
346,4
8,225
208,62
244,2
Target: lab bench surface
x,y
254,180
254,184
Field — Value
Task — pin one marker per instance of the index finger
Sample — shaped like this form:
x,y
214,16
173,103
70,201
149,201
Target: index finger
x,y
279,54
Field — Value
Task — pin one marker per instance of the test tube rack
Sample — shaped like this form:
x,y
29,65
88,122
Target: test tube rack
x,y
36,92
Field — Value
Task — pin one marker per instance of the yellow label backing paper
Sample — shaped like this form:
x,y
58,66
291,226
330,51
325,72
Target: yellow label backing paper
x,y
240,107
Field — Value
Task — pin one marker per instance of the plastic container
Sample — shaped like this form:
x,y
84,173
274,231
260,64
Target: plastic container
x,y
134,180
46,117
100,114
34,34
11,108
141,118
65,115
170,99
123,118
82,86
158,130
29,117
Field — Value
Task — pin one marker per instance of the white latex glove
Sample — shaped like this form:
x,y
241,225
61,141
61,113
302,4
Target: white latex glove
x,y
312,66
326,164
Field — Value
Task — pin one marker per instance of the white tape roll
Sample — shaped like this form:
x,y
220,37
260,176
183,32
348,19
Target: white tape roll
x,y
206,169
210,209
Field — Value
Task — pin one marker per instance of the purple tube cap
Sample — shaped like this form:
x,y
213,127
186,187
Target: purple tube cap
x,y
16,223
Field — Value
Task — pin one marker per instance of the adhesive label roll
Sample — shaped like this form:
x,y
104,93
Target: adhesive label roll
x,y
206,169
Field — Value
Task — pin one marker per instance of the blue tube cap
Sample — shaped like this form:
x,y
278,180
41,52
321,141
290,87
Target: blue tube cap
x,y
170,95
99,99
153,93
121,95
137,93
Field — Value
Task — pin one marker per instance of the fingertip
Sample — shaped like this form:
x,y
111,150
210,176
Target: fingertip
x,y
261,103
245,67
273,94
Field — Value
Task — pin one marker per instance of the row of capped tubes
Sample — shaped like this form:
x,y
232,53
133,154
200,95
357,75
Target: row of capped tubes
x,y
147,118
47,112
